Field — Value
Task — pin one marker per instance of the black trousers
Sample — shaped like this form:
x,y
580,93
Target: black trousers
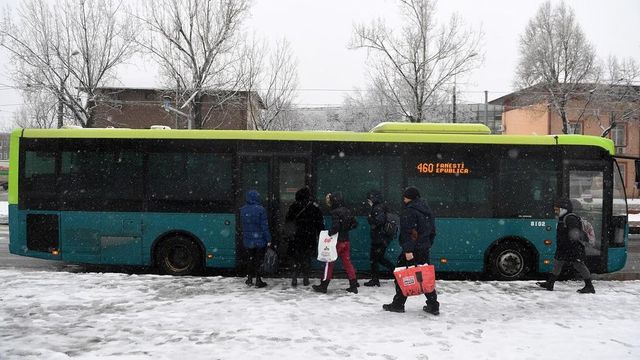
x,y
255,257
418,259
302,261
376,257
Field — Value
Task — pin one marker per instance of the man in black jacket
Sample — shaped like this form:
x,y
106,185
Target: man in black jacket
x,y
417,232
569,247
308,220
379,239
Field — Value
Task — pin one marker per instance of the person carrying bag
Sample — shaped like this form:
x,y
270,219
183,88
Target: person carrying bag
x,y
342,221
417,233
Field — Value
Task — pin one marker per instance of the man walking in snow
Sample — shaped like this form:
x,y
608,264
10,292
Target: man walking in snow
x,y
417,232
569,247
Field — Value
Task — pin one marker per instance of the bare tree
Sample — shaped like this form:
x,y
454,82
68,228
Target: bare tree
x,y
365,109
618,97
275,83
412,68
556,60
196,43
39,111
69,49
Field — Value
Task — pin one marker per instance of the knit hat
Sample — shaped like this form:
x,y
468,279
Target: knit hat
x,y
411,193
564,203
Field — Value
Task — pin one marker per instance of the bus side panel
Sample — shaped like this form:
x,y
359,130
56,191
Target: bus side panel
x,y
463,242
215,231
109,238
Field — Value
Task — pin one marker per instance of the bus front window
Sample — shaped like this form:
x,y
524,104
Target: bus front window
x,y
585,190
619,208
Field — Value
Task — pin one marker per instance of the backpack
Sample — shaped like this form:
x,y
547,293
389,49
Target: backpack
x,y
390,227
587,229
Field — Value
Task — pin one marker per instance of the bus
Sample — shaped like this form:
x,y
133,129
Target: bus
x,y
170,198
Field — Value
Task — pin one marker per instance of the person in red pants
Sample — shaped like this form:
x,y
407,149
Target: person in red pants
x,y
342,221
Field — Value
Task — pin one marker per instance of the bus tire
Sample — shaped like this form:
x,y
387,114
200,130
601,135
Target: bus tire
x,y
178,255
510,260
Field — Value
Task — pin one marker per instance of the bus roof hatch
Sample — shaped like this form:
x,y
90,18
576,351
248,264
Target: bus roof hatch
x,y
431,128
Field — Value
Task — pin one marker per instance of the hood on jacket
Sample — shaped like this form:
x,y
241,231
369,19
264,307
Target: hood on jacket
x,y
336,199
375,196
564,203
252,197
303,195
419,205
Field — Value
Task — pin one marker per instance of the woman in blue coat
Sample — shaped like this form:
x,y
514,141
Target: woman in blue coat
x,y
255,235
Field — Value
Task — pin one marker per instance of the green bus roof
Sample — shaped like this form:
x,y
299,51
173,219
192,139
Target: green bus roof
x,y
386,132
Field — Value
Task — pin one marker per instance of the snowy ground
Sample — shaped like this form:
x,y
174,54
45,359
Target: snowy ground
x,y
60,315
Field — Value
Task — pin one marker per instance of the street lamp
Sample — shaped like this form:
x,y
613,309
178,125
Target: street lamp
x,y
166,105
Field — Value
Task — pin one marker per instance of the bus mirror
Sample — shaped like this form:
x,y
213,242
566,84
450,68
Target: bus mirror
x,y
638,173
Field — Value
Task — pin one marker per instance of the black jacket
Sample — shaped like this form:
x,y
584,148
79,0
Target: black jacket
x,y
377,218
568,239
417,227
342,220
308,219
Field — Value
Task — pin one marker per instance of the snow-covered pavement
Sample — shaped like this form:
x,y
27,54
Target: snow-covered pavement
x,y
60,315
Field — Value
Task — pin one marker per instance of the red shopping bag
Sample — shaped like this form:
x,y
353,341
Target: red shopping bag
x,y
416,280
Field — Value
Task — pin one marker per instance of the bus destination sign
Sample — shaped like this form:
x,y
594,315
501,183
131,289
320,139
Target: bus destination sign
x,y
442,168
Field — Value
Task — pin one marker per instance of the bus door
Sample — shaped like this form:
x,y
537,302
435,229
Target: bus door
x,y
276,178
587,192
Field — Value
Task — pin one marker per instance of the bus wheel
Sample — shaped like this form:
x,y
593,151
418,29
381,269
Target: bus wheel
x,y
178,255
509,261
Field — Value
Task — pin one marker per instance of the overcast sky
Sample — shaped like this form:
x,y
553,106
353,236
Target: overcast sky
x,y
319,31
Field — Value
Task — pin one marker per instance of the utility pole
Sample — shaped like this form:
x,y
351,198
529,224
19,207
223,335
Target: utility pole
x,y
486,107
454,101
61,103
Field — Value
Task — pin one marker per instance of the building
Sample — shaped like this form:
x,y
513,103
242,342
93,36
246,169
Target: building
x,y
526,114
141,108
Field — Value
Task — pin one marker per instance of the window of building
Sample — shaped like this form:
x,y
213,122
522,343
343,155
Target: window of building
x,y
575,128
618,135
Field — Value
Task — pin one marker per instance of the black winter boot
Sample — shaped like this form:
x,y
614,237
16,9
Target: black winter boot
x,y
305,281
433,309
372,282
549,283
588,288
260,283
322,288
294,281
353,286
393,308
249,281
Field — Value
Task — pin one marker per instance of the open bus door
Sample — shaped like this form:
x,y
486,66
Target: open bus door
x,y
276,177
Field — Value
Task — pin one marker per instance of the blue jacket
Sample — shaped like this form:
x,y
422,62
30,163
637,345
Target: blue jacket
x,y
255,227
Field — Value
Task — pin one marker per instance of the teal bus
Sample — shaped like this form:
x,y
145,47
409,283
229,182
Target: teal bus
x,y
170,198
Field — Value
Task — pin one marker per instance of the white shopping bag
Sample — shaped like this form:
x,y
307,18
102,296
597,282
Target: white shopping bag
x,y
327,246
